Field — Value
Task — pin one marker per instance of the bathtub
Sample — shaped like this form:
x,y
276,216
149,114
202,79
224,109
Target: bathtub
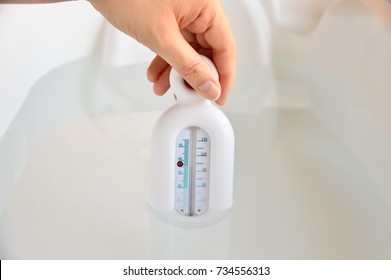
x,y
309,110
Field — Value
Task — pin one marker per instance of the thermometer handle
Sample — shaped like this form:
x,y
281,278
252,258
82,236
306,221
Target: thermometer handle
x,y
185,94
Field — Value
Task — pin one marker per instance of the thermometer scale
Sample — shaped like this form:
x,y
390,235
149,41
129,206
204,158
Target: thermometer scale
x,y
192,159
192,171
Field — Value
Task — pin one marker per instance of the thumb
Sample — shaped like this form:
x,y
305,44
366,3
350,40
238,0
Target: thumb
x,y
193,68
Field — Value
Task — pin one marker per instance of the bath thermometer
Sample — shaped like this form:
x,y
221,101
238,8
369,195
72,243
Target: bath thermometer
x,y
192,160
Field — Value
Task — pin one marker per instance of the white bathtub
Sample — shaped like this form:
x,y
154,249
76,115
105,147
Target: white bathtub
x,y
313,149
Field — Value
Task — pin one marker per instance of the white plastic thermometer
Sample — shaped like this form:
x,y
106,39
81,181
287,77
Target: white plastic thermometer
x,y
192,160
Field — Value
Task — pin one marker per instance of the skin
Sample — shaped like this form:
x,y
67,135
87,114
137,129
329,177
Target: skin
x,y
177,31
381,8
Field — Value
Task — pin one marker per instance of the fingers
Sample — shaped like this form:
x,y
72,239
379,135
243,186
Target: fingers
x,y
190,65
208,34
158,73
157,66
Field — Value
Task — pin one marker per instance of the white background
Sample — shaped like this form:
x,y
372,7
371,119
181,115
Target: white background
x,y
26,53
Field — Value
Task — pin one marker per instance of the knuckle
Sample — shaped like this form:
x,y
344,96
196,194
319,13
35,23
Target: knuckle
x,y
192,70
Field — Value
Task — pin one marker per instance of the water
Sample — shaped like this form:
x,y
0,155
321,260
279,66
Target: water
x,y
81,184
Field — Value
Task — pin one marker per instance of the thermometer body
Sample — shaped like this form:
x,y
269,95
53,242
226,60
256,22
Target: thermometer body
x,y
192,160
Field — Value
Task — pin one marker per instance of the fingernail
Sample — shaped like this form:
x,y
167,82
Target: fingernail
x,y
210,90
220,103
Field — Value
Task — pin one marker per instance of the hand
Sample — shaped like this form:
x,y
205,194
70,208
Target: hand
x,y
178,31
